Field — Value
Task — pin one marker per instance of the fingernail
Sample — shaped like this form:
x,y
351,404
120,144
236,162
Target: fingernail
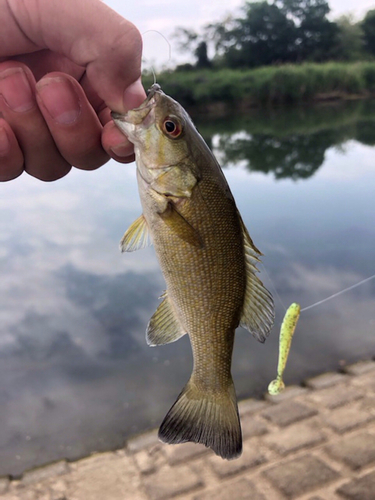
x,y
60,99
134,95
4,142
16,91
123,150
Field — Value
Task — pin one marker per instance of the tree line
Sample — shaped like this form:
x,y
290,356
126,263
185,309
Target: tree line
x,y
276,32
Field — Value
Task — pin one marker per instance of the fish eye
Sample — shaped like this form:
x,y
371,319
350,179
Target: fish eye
x,y
172,127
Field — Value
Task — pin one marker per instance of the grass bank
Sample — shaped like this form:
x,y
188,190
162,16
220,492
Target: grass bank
x,y
223,90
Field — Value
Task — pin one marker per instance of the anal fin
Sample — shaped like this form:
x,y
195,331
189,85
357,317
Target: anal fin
x,y
164,326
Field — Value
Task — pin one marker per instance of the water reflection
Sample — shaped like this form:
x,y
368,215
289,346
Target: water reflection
x,y
292,143
75,372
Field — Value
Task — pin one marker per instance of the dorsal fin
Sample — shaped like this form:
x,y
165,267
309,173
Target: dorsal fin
x,y
258,310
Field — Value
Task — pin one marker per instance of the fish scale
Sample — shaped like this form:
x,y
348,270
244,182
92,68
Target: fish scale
x,y
208,261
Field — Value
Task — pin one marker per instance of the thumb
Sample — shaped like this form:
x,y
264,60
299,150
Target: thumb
x,y
87,32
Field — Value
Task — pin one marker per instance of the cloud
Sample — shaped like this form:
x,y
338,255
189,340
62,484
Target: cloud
x,y
51,230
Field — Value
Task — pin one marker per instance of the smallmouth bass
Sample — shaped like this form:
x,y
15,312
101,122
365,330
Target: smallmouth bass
x,y
208,261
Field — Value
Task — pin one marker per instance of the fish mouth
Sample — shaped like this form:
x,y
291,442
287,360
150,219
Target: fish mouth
x,y
138,115
153,94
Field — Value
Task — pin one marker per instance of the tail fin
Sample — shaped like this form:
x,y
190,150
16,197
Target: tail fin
x,y
210,419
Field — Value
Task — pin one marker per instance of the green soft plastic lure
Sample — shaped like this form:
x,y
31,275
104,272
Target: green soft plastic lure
x,y
286,334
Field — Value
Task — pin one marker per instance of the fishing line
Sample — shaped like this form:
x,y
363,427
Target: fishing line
x,y
165,38
273,286
338,293
320,301
153,74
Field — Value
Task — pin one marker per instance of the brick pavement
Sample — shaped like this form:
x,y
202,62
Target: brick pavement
x,y
315,442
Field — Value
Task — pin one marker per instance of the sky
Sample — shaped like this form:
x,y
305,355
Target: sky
x,y
164,16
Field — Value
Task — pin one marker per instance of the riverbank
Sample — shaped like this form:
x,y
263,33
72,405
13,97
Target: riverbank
x,y
315,441
221,91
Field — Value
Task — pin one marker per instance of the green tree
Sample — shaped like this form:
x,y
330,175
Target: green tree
x,y
349,45
316,35
303,10
202,56
368,27
281,31
194,43
263,36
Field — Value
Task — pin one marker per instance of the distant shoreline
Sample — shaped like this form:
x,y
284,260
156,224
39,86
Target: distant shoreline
x,y
222,108
218,92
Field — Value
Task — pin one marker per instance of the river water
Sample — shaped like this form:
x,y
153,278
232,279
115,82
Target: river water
x,y
76,375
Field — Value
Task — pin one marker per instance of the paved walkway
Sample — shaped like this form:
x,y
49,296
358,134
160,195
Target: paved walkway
x,y
310,443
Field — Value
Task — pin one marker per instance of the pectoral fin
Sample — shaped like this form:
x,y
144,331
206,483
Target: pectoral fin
x,y
164,327
180,226
136,237
258,309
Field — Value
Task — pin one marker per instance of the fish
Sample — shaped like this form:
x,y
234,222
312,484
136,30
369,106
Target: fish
x,y
208,260
287,329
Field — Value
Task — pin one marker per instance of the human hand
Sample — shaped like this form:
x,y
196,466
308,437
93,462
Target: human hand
x,y
63,67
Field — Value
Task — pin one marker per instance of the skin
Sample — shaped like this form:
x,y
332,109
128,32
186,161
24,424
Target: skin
x,y
63,67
